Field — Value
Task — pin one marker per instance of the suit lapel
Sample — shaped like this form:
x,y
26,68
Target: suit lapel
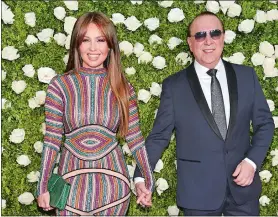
x,y
200,98
233,94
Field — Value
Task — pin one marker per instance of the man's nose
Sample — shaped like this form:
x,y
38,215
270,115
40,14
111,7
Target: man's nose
x,y
208,39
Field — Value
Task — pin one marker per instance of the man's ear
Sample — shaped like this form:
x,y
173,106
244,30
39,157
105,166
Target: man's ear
x,y
189,43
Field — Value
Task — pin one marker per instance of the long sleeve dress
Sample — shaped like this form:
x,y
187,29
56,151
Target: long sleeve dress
x,y
82,107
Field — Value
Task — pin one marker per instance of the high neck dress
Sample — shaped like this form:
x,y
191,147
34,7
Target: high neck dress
x,y
81,106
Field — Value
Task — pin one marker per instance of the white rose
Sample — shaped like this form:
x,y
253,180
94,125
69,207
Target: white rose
x,y
272,15
136,2
23,160
69,24
66,59
43,128
38,146
28,70
199,1
276,51
224,5
17,136
237,58
7,14
126,149
145,57
172,137
246,26
260,16
257,59
162,185
155,39
3,204
40,97
55,170
155,113
59,13
158,166
31,39
234,10
229,36
152,23
131,170
155,89
10,53
174,42
130,70
26,198
274,153
275,118
264,200
182,58
132,23
60,38
45,35
138,49
265,175
266,49
165,4
67,43
30,19
173,210
144,95
175,15
273,2
271,105
126,47
212,6
117,18
72,5
45,74
18,86
6,104
33,176
32,103
268,67
159,62
3,75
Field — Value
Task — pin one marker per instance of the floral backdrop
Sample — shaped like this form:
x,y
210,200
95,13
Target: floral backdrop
x,y
152,36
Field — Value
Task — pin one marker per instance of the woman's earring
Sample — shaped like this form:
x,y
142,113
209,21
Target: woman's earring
x,y
81,61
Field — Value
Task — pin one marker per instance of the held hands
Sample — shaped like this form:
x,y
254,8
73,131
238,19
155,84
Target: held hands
x,y
43,201
244,174
144,196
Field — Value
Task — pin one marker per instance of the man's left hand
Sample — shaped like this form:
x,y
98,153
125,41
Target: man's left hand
x,y
244,174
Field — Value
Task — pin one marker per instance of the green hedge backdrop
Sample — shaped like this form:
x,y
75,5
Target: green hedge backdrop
x,y
20,115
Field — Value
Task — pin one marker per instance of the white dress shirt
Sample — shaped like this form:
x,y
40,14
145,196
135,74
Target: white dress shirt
x,y
205,81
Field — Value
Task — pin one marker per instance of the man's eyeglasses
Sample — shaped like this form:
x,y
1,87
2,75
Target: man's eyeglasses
x,y
214,34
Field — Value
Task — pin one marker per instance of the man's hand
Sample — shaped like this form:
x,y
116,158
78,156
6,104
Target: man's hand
x,y
244,174
144,197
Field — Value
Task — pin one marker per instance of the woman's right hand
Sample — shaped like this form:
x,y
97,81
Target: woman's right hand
x,y
43,201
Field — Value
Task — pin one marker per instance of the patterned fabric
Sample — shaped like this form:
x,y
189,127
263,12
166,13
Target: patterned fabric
x,y
82,107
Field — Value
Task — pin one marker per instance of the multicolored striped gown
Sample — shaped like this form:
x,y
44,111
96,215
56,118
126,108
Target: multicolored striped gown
x,y
83,107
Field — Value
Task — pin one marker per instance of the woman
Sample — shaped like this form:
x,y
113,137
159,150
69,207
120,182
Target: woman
x,y
90,104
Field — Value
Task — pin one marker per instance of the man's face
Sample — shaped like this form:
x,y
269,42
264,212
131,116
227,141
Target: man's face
x,y
207,51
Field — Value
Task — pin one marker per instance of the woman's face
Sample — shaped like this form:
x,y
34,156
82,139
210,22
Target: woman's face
x,y
94,48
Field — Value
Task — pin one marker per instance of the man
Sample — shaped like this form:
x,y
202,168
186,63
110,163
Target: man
x,y
210,105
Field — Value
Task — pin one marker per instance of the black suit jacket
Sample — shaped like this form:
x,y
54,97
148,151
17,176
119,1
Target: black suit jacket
x,y
206,162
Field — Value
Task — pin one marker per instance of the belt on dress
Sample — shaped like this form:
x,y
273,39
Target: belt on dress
x,y
105,171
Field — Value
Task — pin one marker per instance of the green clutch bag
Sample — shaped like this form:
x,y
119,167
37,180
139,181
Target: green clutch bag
x,y
59,191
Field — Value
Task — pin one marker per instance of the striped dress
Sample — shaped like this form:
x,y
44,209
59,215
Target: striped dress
x,y
82,107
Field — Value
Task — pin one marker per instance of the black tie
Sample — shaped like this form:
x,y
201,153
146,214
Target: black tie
x,y
217,103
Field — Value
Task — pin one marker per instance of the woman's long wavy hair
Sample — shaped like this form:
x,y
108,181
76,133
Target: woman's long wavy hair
x,y
118,82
